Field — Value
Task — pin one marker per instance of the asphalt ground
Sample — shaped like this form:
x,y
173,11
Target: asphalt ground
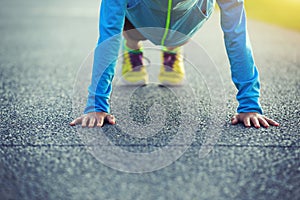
x,y
43,44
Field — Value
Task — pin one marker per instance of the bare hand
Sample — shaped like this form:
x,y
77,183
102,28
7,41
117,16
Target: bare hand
x,y
253,118
94,118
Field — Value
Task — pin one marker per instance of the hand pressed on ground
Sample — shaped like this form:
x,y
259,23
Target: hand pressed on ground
x,y
94,119
252,118
98,118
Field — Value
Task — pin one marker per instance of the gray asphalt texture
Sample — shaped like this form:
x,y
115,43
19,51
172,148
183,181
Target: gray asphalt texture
x,y
43,43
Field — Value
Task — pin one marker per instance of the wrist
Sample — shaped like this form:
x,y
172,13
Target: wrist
x,y
248,105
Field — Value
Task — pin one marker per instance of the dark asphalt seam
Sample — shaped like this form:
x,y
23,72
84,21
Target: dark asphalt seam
x,y
137,145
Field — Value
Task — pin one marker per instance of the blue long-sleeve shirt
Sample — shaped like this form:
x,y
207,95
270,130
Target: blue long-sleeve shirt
x,y
187,18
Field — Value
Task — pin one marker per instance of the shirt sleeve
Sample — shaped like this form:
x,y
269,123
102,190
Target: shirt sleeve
x,y
244,72
111,21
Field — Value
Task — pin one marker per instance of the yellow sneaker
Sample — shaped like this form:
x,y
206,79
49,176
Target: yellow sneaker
x,y
133,70
172,71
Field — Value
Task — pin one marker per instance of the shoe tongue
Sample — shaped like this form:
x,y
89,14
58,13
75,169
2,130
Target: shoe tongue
x,y
169,60
136,60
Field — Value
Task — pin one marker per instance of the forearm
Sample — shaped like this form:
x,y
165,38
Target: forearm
x,y
243,70
112,15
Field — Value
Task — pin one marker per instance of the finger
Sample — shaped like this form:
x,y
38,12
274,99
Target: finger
x,y
76,121
84,121
111,119
255,122
271,122
234,120
247,122
100,122
263,122
92,122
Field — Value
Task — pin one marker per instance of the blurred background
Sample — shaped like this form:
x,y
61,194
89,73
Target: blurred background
x,y
284,13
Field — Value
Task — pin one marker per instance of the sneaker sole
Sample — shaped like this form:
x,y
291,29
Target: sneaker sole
x,y
138,83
